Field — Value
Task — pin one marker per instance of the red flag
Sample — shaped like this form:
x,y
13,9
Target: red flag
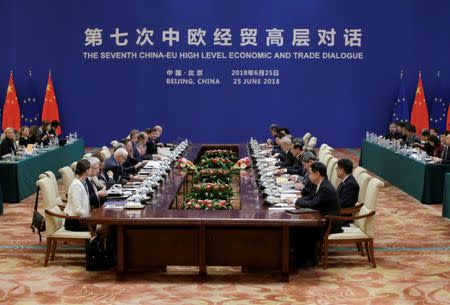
x,y
419,113
50,110
11,108
448,119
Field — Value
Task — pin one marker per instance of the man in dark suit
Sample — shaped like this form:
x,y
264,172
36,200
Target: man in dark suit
x,y
96,197
445,156
131,164
115,164
134,139
393,134
348,189
304,184
325,199
411,137
296,166
286,158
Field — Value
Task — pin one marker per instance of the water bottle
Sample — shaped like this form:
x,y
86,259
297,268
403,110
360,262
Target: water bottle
x,y
12,155
42,146
75,135
367,136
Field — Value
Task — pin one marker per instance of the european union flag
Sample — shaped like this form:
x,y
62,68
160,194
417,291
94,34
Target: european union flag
x,y
30,107
401,109
438,116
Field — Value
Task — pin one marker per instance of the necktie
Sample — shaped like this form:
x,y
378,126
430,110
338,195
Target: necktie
x,y
86,188
444,153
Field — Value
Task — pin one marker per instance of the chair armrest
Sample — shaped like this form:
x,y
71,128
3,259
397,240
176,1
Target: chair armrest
x,y
60,215
331,218
352,210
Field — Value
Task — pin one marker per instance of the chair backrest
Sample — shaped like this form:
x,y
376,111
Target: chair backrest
x,y
68,176
88,155
99,184
306,138
358,171
52,177
363,180
331,166
334,179
73,166
312,143
326,159
52,224
105,153
367,224
323,153
373,188
322,147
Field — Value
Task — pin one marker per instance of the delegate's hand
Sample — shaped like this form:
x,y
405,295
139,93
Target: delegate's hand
x,y
299,186
293,178
102,193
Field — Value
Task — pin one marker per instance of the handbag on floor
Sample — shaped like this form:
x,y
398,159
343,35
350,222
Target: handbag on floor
x,y
37,221
99,254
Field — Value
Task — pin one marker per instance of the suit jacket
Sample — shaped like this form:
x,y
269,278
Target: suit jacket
x,y
129,165
446,155
47,140
136,153
348,191
24,141
287,159
7,146
77,200
151,148
297,167
393,135
412,139
94,200
118,173
309,187
326,201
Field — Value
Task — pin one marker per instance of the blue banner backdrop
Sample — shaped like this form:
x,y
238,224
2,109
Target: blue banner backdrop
x,y
109,76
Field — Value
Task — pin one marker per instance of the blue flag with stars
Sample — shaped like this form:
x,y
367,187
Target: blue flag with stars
x,y
31,112
401,108
438,115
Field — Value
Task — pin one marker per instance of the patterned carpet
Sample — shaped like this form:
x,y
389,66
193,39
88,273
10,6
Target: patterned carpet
x,y
412,251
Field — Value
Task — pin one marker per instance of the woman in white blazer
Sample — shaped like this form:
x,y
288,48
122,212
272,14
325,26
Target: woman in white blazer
x,y
78,198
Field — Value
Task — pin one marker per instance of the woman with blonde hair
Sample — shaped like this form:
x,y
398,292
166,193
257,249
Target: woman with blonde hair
x,y
8,145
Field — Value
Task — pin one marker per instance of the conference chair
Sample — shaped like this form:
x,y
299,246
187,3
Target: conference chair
x,y
363,182
52,177
326,159
73,166
68,176
331,167
88,155
323,153
358,171
54,221
306,138
105,152
311,143
361,231
334,179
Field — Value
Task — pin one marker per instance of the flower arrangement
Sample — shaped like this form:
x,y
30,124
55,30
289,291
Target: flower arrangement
x,y
211,191
221,153
243,163
217,162
212,175
207,204
185,165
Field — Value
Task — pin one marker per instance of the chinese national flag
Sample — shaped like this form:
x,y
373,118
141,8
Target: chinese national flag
x,y
11,108
448,119
419,113
50,110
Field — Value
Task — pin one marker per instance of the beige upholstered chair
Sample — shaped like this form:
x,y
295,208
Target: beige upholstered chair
x,y
323,153
363,181
306,138
323,146
326,159
87,155
54,221
334,179
312,143
67,175
358,171
52,177
73,166
105,153
331,166
362,231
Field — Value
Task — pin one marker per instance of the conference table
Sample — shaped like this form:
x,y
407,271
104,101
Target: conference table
x,y
18,178
163,234
424,181
446,200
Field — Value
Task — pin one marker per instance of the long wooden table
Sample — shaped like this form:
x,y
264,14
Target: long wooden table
x,y
158,236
